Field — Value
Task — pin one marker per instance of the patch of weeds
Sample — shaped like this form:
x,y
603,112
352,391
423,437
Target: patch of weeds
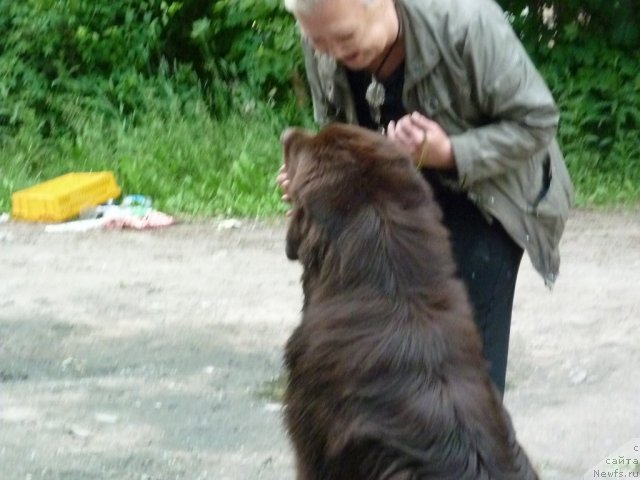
x,y
273,390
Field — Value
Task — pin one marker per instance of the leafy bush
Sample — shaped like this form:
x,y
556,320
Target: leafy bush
x,y
104,85
588,52
185,99
250,43
101,55
614,23
599,97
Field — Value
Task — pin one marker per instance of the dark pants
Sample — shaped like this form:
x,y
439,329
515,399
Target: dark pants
x,y
488,261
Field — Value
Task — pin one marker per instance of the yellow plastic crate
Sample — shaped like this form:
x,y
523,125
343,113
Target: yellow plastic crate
x,y
64,197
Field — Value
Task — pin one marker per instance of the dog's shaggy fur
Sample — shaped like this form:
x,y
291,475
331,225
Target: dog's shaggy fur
x,y
386,374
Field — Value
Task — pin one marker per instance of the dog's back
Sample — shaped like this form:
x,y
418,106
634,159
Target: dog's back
x,y
386,374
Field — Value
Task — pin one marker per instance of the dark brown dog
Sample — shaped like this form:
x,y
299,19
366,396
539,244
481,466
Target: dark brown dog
x,y
386,374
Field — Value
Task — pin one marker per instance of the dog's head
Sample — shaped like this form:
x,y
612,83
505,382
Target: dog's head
x,y
345,182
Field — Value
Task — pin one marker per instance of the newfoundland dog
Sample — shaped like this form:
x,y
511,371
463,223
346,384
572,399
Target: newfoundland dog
x,y
386,374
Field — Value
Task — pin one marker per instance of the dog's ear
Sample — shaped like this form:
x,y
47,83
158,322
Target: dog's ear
x,y
309,227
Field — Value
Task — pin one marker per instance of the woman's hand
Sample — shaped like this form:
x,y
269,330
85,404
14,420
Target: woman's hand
x,y
283,182
425,140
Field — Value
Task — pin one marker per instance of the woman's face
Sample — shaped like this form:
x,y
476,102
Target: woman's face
x,y
351,31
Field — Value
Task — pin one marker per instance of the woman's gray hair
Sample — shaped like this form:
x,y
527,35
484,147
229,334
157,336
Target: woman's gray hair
x,y
294,6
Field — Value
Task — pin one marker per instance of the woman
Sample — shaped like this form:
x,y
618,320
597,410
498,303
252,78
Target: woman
x,y
451,84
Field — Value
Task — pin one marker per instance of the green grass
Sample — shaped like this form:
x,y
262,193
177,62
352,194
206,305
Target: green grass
x,y
273,390
192,164
605,184
186,161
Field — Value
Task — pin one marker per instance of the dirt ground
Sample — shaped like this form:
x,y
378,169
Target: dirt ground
x,y
146,355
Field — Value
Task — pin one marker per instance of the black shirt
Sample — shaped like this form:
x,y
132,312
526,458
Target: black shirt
x,y
392,108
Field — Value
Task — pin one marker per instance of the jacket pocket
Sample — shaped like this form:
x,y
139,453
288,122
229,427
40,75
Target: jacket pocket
x,y
555,193
544,186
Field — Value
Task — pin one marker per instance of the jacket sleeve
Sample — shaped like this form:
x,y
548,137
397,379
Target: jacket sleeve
x,y
510,92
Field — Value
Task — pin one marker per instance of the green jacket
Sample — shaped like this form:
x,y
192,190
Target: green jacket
x,y
466,69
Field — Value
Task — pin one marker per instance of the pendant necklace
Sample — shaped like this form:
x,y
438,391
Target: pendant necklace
x,y
375,94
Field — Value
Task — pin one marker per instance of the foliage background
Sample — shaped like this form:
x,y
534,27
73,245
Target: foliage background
x,y
185,100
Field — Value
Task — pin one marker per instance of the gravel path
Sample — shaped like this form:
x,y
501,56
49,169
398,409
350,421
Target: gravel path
x,y
150,355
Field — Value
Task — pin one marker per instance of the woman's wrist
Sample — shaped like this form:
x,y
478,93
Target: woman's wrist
x,y
435,155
